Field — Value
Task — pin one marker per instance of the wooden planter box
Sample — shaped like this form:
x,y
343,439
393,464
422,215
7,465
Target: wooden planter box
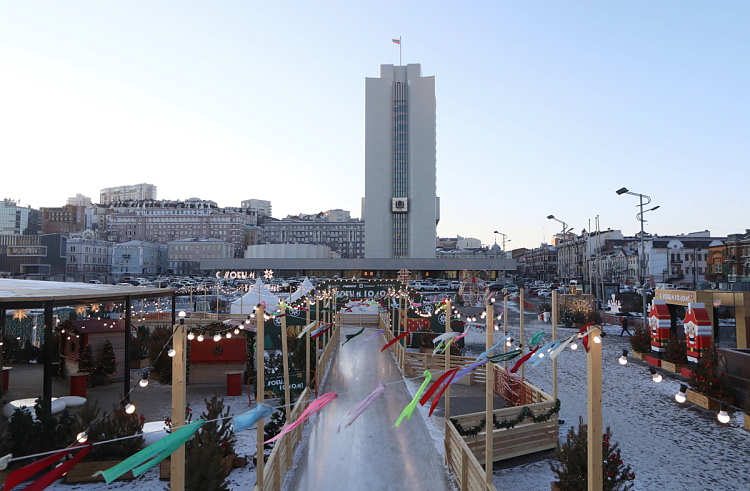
x,y
137,364
640,356
747,422
554,486
673,367
83,472
712,404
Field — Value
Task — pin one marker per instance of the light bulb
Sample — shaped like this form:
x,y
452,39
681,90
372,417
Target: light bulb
x,y
217,338
171,352
597,339
229,335
681,396
130,408
191,336
656,376
541,355
237,331
200,337
624,358
82,437
723,415
143,382
574,346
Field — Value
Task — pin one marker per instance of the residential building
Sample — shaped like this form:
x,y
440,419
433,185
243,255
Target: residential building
x,y
716,263
164,221
337,215
738,257
138,257
88,255
401,205
469,243
681,260
19,220
184,255
260,206
136,192
576,254
541,263
253,235
344,238
79,200
36,255
65,219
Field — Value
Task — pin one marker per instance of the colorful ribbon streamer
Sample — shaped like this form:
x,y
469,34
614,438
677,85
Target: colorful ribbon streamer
x,y
409,409
307,328
560,348
523,360
537,337
446,377
313,408
20,475
360,407
394,340
545,351
374,335
505,356
319,332
250,418
494,347
154,453
349,337
467,370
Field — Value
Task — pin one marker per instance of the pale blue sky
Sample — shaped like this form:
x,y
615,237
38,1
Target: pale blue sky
x,y
543,107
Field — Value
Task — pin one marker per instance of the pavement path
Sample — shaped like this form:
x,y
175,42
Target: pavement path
x,y
370,454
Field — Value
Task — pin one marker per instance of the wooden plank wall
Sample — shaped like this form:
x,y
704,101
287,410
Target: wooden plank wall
x,y
469,473
97,339
213,373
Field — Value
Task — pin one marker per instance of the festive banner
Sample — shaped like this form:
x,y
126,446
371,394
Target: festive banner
x,y
409,409
374,335
468,369
156,452
349,337
360,407
20,475
246,420
309,327
446,377
523,360
394,341
496,345
313,408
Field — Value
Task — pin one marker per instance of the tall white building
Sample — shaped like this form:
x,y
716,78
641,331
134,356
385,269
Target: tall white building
x,y
261,206
401,205
143,191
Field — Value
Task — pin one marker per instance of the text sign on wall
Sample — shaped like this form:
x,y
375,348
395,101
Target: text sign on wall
x,y
274,384
38,251
372,289
678,297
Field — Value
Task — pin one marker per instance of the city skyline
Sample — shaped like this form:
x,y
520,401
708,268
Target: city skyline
x,y
552,108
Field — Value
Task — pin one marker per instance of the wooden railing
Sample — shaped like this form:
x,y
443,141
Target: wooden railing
x,y
517,391
332,342
524,438
282,455
358,319
461,460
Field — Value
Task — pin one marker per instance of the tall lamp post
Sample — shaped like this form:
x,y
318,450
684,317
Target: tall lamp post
x,y
504,255
639,217
565,229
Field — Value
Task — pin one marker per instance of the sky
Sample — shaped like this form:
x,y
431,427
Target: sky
x,y
542,107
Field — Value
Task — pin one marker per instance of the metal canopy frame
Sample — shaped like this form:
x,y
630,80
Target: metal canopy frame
x,y
33,294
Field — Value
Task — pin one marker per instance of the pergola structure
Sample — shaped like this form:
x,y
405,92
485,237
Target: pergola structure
x,y
46,295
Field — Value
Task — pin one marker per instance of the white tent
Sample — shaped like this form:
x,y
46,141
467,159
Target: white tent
x,y
259,293
305,288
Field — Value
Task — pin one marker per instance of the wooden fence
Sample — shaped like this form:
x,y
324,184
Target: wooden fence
x,y
357,319
282,455
461,460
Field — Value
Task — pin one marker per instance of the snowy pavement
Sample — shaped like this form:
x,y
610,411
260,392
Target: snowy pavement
x,y
670,446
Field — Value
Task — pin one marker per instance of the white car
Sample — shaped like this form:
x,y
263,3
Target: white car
x,y
545,293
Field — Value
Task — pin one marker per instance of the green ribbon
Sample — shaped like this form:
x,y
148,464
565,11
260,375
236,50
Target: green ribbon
x,y
349,337
409,409
505,356
537,337
157,452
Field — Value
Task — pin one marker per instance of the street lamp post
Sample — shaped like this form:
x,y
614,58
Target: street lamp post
x,y
639,217
504,255
565,228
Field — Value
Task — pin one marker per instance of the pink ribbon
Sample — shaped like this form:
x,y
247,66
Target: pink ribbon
x,y
313,408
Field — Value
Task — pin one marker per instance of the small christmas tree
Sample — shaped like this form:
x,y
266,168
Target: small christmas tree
x,y
108,363
116,425
706,378
640,341
571,463
675,351
86,360
204,454
276,422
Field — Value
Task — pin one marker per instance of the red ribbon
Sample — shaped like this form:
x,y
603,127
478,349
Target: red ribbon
x,y
585,341
321,331
434,388
20,475
397,338
522,361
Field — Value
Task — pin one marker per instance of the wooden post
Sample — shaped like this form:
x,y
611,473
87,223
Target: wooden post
x,y
307,345
447,399
594,413
522,340
179,365
505,327
48,351
317,321
126,366
554,338
259,382
490,392
287,395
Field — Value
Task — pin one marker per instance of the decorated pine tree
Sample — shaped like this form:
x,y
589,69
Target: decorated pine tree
x,y
108,363
675,351
205,454
706,378
571,462
640,341
86,360
275,423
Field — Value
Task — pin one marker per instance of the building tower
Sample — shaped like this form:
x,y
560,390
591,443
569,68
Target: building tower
x,y
401,206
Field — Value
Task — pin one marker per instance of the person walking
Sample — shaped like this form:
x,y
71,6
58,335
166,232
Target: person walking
x,y
624,322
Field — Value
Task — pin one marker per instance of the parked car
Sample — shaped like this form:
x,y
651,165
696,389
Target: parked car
x,y
544,293
511,288
443,286
455,285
